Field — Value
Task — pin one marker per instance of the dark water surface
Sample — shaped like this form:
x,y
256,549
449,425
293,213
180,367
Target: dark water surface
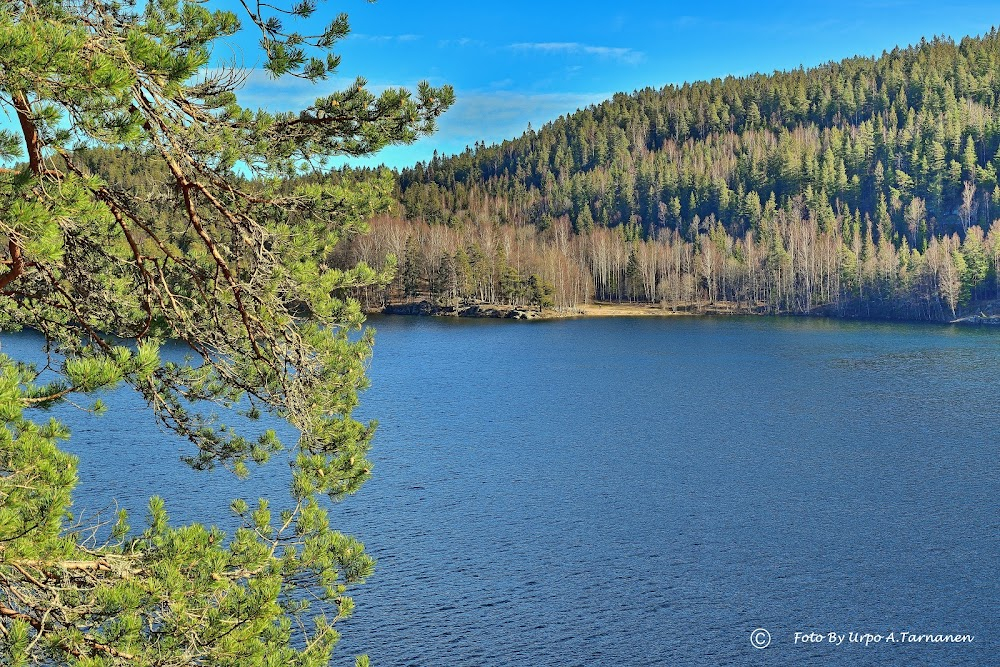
x,y
648,491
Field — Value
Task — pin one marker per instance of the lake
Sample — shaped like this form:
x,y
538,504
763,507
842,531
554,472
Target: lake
x,y
648,491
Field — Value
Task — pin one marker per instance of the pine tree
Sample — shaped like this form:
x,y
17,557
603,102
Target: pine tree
x,y
224,254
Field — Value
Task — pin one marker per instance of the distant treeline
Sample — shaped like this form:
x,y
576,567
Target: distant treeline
x,y
789,265
866,187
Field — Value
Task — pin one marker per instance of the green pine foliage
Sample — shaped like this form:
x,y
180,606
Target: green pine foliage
x,y
142,203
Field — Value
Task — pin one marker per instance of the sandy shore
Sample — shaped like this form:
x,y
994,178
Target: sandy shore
x,y
620,310
606,309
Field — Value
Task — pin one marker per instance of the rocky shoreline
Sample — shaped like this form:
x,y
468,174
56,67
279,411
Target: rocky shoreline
x,y
987,316
988,320
427,308
983,313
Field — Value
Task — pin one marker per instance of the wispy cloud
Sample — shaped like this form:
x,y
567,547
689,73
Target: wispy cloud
x,y
260,90
500,114
360,36
487,116
461,42
620,54
686,22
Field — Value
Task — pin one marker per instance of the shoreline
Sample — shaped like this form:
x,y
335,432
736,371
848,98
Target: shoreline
x,y
426,308
609,309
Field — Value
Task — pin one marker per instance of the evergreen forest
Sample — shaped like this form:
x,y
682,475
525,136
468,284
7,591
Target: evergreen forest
x,y
861,188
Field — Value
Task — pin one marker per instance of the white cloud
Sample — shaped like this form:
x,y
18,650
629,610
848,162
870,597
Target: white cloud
x,y
498,115
461,42
686,22
289,93
360,36
487,116
620,54
490,116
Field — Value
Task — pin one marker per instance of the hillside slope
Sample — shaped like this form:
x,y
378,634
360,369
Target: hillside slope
x,y
867,136
865,187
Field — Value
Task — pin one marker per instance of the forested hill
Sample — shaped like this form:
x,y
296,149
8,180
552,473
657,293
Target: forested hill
x,y
903,139
866,187
862,187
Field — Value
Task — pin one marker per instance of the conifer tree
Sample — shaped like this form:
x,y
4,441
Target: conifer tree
x,y
223,253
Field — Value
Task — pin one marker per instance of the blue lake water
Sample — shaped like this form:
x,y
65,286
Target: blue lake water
x,y
647,491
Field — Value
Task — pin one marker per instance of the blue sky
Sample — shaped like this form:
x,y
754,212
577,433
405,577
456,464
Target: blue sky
x,y
517,62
